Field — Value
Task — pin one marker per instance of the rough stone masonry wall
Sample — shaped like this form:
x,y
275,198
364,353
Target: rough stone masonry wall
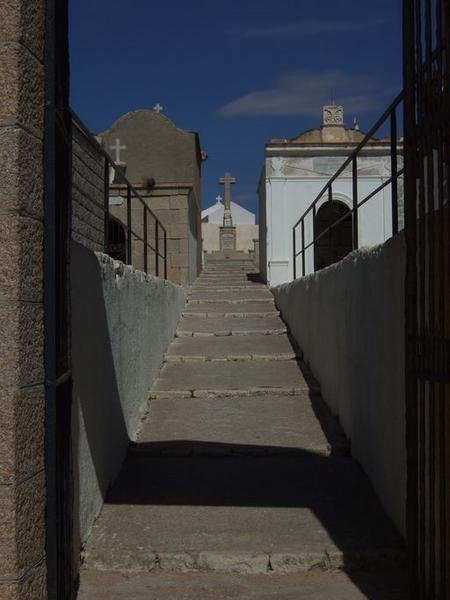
x,y
349,321
87,193
22,481
122,323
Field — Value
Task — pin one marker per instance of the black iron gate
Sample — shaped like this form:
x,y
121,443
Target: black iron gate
x,y
58,379
427,225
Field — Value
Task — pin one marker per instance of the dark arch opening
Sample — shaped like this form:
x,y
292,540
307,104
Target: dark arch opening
x,y
116,239
338,242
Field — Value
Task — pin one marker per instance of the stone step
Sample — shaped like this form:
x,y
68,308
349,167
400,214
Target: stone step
x,y
199,326
259,426
317,585
221,309
251,347
243,514
255,295
230,378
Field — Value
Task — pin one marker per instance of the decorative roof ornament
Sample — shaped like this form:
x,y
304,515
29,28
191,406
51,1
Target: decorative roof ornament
x,y
158,108
333,114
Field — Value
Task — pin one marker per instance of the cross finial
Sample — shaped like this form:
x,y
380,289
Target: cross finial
x,y
158,108
219,199
117,148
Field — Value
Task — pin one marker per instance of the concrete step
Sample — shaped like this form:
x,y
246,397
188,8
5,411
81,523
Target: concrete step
x,y
227,309
251,347
200,326
317,585
246,378
261,294
260,426
243,514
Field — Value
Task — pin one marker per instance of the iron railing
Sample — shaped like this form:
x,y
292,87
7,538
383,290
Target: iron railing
x,y
427,228
151,227
390,117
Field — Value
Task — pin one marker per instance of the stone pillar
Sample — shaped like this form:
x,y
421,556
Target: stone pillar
x,y
22,418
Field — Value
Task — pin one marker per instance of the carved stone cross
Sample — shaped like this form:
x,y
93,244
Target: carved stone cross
x,y
227,181
117,148
158,108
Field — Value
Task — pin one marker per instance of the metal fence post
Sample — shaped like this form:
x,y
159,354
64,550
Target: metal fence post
x,y
165,254
294,254
129,240
106,206
145,240
303,248
355,201
157,249
394,168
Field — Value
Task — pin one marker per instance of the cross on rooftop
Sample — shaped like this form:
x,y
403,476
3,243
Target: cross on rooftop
x,y
226,181
158,108
219,199
117,148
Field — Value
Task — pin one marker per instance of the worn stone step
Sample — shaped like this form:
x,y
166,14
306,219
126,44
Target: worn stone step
x,y
257,426
230,378
223,309
252,347
256,295
317,585
200,326
243,514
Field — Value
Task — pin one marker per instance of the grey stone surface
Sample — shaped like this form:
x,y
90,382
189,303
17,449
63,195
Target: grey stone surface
x,y
230,376
240,484
229,326
134,317
105,585
256,426
249,295
232,514
231,347
263,309
358,303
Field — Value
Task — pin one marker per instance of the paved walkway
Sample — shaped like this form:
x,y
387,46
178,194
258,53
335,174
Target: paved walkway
x,y
241,485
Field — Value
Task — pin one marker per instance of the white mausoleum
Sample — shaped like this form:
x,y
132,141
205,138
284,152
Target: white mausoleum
x,y
294,173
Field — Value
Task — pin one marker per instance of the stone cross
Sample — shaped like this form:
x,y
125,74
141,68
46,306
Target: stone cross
x,y
219,199
158,108
227,181
117,148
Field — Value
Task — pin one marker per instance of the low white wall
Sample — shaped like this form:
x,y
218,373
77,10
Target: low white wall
x,y
349,321
122,324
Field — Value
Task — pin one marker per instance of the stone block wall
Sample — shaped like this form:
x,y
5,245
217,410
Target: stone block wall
x,y
177,209
87,193
22,398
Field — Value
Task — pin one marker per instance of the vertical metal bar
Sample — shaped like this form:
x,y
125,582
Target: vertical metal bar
x,y
394,170
106,240
145,236
330,231
157,248
303,249
355,202
129,232
165,254
294,253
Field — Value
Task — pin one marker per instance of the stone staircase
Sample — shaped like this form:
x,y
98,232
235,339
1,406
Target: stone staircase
x,y
241,484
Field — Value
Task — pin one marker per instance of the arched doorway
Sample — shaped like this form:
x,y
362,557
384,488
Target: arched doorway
x,y
338,242
116,239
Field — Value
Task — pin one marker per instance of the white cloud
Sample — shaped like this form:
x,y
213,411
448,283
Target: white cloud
x,y
305,28
304,93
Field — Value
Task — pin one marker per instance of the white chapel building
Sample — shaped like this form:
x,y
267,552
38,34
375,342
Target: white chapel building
x,y
247,231
294,173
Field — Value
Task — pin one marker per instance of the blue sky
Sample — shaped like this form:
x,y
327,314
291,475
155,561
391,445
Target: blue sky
x,y
238,71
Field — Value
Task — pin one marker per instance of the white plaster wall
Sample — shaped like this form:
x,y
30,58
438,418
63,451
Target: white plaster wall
x,y
287,197
122,323
240,215
349,321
